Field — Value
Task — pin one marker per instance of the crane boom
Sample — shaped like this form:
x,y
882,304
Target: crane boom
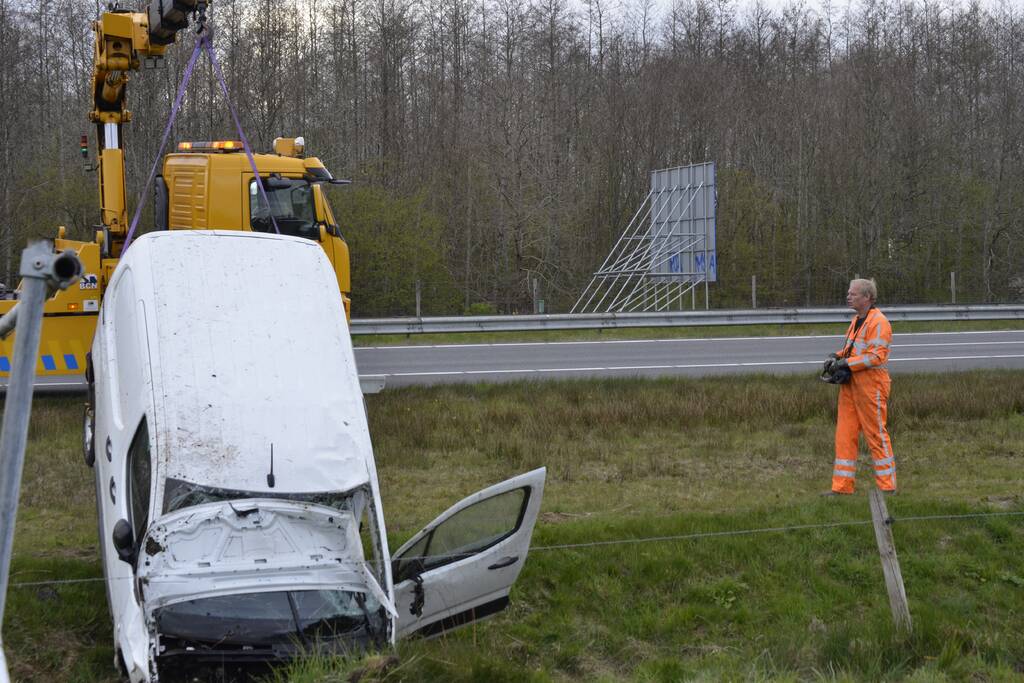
x,y
125,40
205,185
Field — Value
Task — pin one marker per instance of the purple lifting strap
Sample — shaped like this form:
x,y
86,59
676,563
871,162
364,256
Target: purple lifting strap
x,y
203,42
241,133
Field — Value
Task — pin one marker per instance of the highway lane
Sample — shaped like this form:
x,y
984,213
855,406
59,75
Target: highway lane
x,y
448,363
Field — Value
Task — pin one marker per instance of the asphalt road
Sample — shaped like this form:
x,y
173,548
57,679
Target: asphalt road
x,y
917,352
407,365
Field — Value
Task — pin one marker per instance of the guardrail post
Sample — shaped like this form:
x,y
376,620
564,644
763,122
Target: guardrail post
x,y
952,286
753,291
418,314
42,271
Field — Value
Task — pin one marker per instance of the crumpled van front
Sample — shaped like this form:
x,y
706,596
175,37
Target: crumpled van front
x,y
248,581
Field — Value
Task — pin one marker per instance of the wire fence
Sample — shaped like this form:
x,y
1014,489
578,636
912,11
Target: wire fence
x,y
624,541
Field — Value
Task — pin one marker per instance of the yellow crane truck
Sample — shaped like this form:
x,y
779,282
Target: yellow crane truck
x,y
204,185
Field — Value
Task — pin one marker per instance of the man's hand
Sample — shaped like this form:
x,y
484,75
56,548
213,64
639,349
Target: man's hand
x,y
829,362
840,364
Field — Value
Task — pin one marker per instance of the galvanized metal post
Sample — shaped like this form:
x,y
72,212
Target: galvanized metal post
x,y
952,286
418,295
753,291
42,271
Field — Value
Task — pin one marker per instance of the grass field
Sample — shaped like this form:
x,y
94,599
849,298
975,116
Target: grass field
x,y
631,460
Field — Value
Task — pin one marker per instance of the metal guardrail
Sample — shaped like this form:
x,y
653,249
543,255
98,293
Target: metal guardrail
x,y
600,321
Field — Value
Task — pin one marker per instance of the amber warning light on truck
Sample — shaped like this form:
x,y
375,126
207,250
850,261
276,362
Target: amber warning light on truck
x,y
210,146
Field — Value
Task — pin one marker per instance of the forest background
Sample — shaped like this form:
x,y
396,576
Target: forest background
x,y
494,142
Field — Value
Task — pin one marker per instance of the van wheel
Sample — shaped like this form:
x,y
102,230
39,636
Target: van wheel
x,y
88,436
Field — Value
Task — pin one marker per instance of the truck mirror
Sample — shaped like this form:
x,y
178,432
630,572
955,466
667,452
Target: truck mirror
x,y
276,183
124,541
322,236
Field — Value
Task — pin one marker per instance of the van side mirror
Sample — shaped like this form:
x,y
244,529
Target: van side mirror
x,y
322,236
124,541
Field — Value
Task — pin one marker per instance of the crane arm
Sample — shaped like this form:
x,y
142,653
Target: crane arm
x,y
123,41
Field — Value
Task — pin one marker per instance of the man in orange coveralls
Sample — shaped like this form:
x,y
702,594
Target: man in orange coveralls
x,y
863,398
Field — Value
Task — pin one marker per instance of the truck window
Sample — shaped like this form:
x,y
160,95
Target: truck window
x,y
138,479
292,204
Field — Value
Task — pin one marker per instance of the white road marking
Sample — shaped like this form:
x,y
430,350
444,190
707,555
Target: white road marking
x,y
965,343
626,368
838,336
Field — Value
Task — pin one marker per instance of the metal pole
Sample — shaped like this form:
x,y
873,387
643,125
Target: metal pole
x,y
418,313
952,286
41,271
9,321
753,291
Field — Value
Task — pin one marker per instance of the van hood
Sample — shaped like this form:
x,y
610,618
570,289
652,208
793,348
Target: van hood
x,y
252,545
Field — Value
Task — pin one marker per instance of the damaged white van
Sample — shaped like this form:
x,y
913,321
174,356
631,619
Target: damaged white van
x,y
239,510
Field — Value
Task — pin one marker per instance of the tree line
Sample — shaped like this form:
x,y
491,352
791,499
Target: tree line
x,y
497,142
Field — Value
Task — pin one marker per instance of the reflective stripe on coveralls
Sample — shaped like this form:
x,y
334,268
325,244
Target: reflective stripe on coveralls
x,y
863,404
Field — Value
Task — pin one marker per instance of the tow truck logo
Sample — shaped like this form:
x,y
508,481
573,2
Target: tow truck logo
x,y
89,281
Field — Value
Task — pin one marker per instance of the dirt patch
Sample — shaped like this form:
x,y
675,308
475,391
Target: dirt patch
x,y
560,517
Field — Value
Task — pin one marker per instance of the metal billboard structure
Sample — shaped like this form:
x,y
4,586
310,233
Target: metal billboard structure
x,y
665,252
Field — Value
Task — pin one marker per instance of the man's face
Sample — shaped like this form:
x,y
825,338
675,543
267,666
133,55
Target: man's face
x,y
857,300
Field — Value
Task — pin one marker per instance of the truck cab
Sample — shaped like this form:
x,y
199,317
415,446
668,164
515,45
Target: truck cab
x,y
210,185
205,185
240,514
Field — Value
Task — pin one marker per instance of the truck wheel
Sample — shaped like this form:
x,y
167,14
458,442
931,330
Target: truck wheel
x,y
88,436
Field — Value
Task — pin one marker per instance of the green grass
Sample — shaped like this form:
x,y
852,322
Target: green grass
x,y
704,332
632,460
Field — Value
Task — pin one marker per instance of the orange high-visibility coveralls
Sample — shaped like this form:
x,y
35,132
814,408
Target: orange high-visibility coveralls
x,y
863,404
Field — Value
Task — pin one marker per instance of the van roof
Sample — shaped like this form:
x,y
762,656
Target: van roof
x,y
249,348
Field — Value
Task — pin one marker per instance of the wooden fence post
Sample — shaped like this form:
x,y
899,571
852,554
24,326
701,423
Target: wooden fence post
x,y
890,564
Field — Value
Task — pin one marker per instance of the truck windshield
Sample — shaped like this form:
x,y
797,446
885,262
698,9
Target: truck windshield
x,y
291,202
309,617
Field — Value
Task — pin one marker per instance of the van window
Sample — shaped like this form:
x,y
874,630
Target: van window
x,y
465,533
138,480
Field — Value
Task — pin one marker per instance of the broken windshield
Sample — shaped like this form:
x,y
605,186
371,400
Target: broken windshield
x,y
259,619
179,494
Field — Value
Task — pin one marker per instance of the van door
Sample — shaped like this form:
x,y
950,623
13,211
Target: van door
x,y
461,566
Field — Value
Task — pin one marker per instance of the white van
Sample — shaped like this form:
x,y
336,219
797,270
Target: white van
x,y
239,510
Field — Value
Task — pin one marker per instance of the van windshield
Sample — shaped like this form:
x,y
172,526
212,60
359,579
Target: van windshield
x,y
292,204
179,494
308,617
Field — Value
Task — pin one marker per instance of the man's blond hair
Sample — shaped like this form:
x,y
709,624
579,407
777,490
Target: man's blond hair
x,y
866,287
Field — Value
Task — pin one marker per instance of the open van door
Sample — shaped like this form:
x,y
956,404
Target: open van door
x,y
461,566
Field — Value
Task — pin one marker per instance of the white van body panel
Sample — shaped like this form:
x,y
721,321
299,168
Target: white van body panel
x,y
243,367
260,544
